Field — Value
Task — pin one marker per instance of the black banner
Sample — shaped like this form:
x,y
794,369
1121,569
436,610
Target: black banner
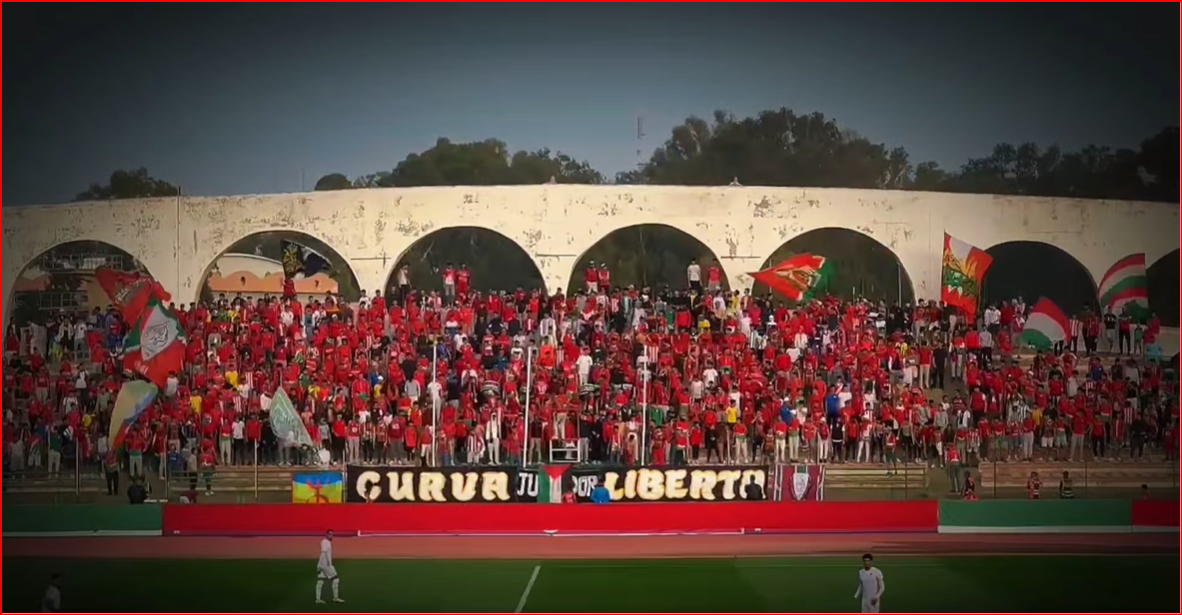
x,y
549,484
381,485
647,484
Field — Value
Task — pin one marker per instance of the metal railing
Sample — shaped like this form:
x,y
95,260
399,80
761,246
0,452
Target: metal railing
x,y
1089,478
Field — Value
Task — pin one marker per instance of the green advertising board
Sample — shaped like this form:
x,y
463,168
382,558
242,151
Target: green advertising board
x,y
1036,516
81,520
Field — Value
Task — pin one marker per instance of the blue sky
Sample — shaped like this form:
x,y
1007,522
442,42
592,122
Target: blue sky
x,y
232,99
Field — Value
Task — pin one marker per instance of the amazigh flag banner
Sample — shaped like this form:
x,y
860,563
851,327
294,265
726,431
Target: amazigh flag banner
x,y
130,292
298,258
1125,288
1046,326
963,270
134,397
800,278
155,345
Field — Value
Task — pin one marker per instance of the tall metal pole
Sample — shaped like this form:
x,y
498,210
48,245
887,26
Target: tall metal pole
x,y
529,381
77,466
434,406
256,469
899,281
643,414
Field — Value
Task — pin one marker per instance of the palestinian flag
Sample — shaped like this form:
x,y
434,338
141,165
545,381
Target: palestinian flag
x,y
963,269
799,278
1125,288
156,345
1046,326
550,484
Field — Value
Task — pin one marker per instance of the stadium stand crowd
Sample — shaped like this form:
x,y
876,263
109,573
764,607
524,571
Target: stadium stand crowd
x,y
726,377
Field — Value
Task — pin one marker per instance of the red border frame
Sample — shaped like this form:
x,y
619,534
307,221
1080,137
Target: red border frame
x,y
4,299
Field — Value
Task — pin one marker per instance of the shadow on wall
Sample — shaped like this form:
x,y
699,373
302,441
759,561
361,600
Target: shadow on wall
x,y
1163,288
1032,269
861,265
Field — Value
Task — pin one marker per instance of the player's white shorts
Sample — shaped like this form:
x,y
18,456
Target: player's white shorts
x,y
326,572
871,608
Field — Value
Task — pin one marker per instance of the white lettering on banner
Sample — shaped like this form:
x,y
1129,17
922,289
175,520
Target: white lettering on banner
x,y
527,485
585,485
652,485
408,486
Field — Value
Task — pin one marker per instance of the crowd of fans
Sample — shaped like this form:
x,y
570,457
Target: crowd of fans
x,y
691,375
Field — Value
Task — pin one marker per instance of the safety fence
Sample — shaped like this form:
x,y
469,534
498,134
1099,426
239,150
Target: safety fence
x,y
1125,479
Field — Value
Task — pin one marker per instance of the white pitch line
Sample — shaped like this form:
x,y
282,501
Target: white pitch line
x,y
529,587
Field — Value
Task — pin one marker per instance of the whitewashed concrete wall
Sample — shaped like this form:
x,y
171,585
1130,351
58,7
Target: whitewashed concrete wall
x,y
178,238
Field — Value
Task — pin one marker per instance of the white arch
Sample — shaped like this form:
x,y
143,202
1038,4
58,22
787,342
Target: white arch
x,y
1093,279
860,232
226,248
10,280
409,246
674,226
178,237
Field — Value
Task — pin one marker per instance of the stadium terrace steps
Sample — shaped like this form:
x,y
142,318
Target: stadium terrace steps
x,y
40,482
1086,476
238,479
875,476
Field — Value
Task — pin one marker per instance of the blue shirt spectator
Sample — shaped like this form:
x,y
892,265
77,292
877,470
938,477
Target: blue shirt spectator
x,y
601,495
832,405
786,413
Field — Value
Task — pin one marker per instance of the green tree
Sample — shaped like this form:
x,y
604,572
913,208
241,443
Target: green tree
x,y
1158,156
333,181
495,261
134,184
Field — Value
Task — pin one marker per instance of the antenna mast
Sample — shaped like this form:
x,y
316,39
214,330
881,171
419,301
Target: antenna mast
x,y
639,141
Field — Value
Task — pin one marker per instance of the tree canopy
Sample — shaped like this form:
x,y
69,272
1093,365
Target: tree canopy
x,y
777,147
133,184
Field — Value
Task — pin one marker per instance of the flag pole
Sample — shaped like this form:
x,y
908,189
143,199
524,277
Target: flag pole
x,y
434,406
643,414
256,470
77,466
529,381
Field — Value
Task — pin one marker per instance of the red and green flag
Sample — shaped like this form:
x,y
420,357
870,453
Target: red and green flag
x,y
963,271
1125,288
799,278
155,345
130,292
1046,326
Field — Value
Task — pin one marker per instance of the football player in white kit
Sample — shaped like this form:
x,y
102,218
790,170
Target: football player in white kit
x,y
870,585
325,571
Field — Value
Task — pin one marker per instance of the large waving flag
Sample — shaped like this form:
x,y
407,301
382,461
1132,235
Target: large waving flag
x,y
134,397
800,278
155,345
1046,326
964,268
286,423
1125,288
298,258
130,292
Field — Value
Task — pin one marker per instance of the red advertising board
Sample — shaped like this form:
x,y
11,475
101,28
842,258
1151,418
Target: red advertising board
x,y
521,519
1150,515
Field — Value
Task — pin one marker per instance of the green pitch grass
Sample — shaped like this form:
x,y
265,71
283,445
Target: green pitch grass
x,y
1079,584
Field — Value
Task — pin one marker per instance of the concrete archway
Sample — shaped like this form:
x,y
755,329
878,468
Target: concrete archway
x,y
61,278
257,270
1163,277
647,254
862,265
1033,269
496,261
